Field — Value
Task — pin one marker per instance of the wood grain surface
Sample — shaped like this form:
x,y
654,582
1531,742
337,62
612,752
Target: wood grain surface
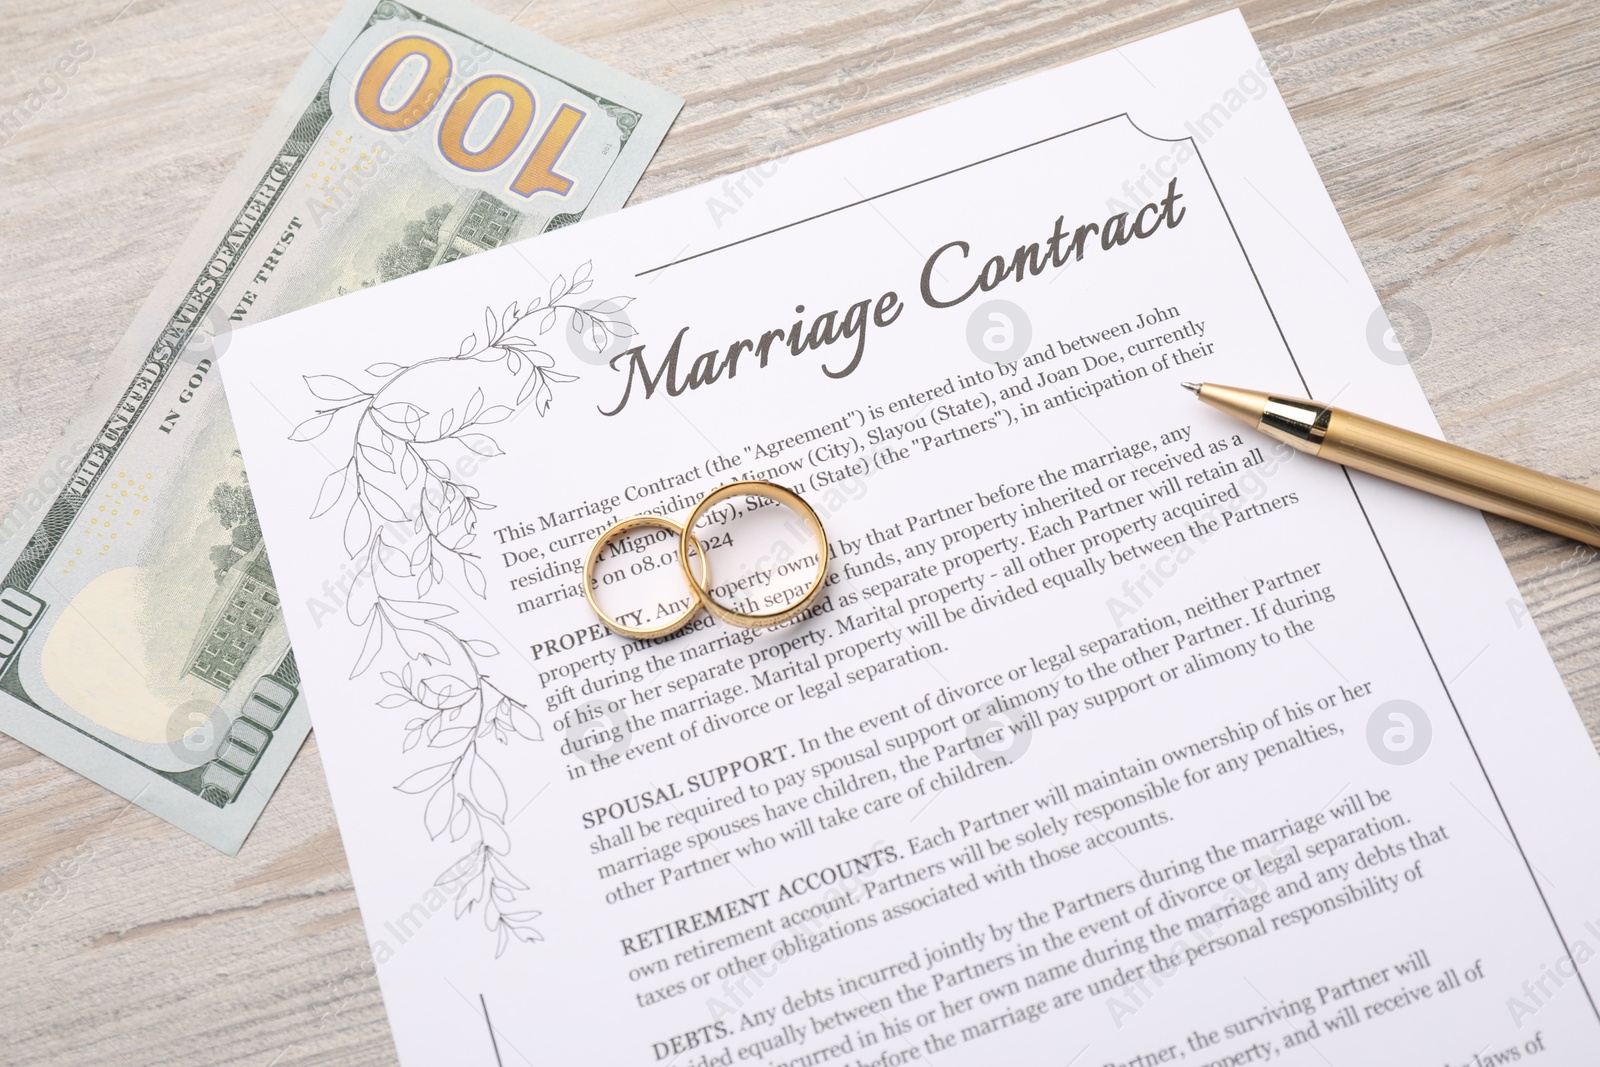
x,y
1460,142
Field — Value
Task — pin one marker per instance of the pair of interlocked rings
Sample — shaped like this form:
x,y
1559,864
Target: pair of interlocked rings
x,y
701,583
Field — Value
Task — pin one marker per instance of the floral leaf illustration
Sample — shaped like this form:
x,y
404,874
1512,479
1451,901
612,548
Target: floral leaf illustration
x,y
383,503
426,779
403,415
470,894
357,527
420,554
441,805
494,837
371,646
409,467
525,724
607,307
486,787
377,458
482,444
419,644
393,559
333,487
313,427
474,575
503,874
332,387
460,823
361,603
408,510
421,610
462,870
451,735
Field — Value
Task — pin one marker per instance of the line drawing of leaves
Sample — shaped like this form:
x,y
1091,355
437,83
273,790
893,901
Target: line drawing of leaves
x,y
419,643
474,576
362,603
487,787
332,387
481,443
426,779
384,504
357,526
333,487
409,467
607,307
448,736
393,559
371,646
421,610
312,428
402,489
376,457
441,806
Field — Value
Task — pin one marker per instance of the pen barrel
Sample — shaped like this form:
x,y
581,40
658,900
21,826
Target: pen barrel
x,y
1464,476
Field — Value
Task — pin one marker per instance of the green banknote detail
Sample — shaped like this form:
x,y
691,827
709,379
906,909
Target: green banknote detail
x,y
141,638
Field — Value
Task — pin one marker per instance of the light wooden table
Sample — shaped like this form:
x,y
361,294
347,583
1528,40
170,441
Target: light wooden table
x,y
1458,139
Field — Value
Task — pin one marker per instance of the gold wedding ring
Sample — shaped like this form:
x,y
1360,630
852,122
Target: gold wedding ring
x,y
702,586
617,529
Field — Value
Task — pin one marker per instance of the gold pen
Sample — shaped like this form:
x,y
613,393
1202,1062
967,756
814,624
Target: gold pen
x,y
1433,466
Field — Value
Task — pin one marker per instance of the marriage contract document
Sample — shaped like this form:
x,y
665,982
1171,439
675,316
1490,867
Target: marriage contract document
x,y
1118,735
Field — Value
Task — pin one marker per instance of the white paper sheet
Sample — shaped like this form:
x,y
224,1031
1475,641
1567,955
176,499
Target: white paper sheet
x,y
1121,736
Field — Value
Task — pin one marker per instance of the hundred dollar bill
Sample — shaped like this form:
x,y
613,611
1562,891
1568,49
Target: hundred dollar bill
x,y
141,637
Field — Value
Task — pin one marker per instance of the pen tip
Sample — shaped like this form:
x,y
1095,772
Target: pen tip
x,y
1193,387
